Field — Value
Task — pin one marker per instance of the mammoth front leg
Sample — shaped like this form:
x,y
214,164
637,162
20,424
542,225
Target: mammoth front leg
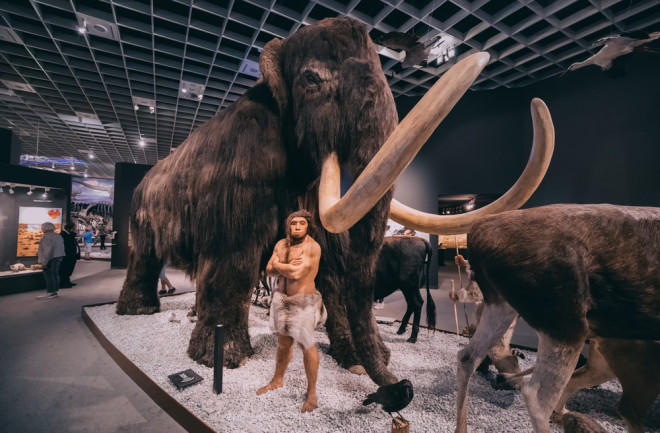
x,y
223,298
139,294
366,238
342,348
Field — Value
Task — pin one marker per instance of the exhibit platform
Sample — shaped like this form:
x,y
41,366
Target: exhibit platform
x,y
56,376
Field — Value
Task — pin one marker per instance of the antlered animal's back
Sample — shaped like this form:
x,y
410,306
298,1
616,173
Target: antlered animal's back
x,y
567,268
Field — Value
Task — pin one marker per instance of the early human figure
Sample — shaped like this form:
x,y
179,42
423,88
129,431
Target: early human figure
x,y
296,308
50,253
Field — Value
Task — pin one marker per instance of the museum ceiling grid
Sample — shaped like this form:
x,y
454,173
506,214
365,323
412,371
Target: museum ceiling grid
x,y
146,73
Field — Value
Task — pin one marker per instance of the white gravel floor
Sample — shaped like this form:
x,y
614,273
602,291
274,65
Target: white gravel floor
x,y
158,347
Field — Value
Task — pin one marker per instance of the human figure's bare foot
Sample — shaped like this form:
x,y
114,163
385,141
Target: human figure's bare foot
x,y
271,386
310,404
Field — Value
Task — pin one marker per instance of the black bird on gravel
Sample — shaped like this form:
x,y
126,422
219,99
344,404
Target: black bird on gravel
x,y
392,397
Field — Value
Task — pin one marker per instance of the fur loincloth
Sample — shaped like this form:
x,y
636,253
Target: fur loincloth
x,y
297,316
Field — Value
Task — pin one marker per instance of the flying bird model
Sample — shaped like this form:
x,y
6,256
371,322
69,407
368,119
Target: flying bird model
x,y
615,47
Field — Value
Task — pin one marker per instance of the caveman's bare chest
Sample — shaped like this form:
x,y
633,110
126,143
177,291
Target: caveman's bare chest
x,y
295,251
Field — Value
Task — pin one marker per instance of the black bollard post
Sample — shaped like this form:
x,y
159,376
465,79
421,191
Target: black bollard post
x,y
218,358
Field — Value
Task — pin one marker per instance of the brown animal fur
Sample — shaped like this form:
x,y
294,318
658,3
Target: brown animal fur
x,y
572,272
401,262
216,206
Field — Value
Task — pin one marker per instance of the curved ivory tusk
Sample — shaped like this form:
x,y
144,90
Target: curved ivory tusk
x,y
338,215
539,160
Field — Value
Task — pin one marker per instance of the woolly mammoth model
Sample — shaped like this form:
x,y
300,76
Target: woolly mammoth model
x,y
216,206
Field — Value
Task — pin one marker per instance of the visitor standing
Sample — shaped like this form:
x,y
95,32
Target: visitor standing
x,y
166,286
101,234
88,238
72,254
49,255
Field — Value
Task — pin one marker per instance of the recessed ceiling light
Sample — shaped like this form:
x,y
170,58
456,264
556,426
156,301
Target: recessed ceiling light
x,y
98,27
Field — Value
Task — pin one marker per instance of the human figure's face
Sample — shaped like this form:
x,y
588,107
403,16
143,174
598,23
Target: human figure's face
x,y
298,227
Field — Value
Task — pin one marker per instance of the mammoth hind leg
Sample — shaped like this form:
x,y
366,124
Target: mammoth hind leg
x,y
555,364
636,364
494,322
223,298
139,294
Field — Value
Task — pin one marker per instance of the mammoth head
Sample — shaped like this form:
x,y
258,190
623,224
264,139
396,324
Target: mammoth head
x,y
328,81
329,75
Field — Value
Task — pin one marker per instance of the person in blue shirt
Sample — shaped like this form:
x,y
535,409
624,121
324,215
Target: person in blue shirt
x,y
88,238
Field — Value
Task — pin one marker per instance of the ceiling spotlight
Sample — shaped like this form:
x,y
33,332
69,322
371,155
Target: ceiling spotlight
x,y
85,173
199,97
52,165
184,90
45,194
91,155
30,191
152,109
142,143
82,30
11,189
1,190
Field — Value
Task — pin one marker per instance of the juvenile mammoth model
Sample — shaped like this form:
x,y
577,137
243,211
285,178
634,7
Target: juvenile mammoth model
x,y
216,206
572,272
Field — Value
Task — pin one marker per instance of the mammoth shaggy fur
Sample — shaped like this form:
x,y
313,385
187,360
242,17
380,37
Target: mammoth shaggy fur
x,y
216,206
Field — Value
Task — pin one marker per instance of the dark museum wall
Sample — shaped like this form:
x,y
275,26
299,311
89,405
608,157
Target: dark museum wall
x,y
606,150
127,178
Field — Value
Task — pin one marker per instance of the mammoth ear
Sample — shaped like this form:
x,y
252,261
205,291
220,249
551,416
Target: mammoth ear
x,y
269,64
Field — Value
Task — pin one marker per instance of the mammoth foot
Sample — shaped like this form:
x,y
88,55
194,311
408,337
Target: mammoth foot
x,y
136,304
357,369
237,348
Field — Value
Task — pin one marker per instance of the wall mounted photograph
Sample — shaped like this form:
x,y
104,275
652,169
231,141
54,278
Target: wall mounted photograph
x,y
30,220
91,203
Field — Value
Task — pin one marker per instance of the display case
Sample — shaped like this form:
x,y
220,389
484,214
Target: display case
x,y
28,198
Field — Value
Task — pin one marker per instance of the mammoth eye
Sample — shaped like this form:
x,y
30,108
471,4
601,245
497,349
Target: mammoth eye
x,y
311,78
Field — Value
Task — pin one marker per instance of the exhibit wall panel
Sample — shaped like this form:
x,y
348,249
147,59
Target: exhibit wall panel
x,y
21,215
127,178
91,203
